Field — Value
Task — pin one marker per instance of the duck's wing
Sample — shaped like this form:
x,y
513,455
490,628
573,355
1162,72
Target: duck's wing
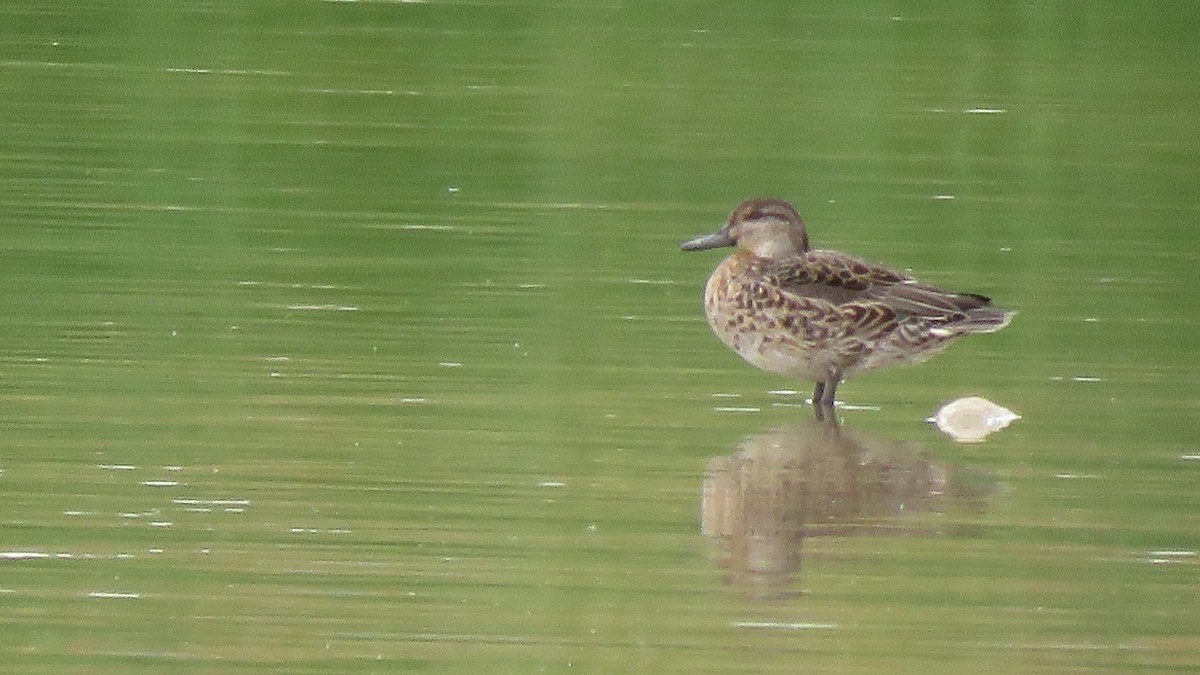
x,y
877,291
834,277
918,299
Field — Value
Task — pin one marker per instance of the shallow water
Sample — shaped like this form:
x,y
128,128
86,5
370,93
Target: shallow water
x,y
356,336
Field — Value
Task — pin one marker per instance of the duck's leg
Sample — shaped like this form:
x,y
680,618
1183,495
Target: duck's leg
x,y
821,412
818,392
825,391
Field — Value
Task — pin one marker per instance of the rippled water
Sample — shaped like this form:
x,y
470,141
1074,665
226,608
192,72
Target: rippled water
x,y
356,336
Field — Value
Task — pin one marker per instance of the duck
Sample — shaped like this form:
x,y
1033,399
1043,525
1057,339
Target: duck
x,y
822,315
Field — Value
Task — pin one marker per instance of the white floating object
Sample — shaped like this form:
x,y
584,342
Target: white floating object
x,y
971,419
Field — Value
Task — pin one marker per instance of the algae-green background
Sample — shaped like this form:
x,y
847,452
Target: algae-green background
x,y
355,335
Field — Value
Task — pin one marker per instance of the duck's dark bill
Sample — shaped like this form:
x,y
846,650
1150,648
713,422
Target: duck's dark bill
x,y
715,240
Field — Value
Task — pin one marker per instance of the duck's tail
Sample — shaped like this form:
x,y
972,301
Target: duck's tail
x,y
977,320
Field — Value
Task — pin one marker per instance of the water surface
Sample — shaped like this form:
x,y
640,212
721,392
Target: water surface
x,y
356,336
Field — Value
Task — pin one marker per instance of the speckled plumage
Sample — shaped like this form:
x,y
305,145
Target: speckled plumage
x,y
824,315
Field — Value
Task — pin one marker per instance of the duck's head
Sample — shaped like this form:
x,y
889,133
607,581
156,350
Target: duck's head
x,y
767,227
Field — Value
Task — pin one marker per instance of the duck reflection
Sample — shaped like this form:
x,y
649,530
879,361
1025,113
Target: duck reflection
x,y
816,478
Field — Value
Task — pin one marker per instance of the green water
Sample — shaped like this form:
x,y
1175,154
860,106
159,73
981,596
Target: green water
x,y
355,336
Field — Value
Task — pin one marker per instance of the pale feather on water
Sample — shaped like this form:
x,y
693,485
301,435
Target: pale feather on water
x,y
971,419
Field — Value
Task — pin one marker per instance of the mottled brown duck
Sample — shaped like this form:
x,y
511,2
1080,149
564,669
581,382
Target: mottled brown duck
x,y
824,315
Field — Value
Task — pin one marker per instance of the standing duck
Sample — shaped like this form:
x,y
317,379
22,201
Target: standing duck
x,y
823,315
